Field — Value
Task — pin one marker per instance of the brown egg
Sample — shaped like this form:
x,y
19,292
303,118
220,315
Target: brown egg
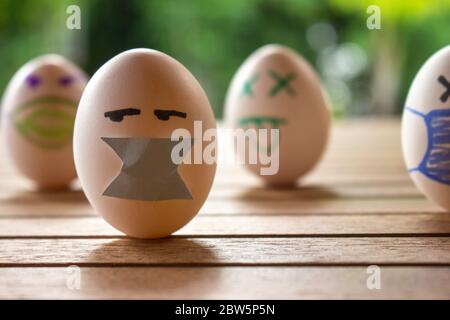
x,y
275,88
426,129
122,143
38,114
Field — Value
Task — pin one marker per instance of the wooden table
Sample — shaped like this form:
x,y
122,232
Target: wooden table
x,y
359,208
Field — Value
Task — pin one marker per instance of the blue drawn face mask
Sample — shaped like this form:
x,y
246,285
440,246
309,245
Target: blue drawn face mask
x,y
436,162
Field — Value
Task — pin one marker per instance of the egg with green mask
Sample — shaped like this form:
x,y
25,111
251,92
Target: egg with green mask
x,y
276,102
38,114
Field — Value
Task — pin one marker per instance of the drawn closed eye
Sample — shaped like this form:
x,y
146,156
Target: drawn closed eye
x,y
164,115
118,115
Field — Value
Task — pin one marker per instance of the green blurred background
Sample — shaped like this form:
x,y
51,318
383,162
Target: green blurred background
x,y
366,72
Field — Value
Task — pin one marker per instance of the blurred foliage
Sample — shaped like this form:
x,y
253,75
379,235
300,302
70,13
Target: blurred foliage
x,y
365,71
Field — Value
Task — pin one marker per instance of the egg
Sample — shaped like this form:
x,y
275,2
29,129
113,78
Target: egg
x,y
123,144
275,88
426,129
38,114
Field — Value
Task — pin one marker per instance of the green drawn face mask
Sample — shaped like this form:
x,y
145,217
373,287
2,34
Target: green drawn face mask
x,y
260,122
46,122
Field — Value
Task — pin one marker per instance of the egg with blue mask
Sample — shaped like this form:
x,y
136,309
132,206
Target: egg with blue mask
x,y
426,129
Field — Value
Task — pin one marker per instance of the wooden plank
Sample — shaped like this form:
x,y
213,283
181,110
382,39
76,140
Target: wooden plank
x,y
250,207
358,207
334,206
227,191
227,251
334,178
42,209
347,167
312,191
310,225
224,283
316,192
350,168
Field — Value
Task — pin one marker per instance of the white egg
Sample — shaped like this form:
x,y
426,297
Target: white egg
x,y
275,88
426,128
123,148
38,114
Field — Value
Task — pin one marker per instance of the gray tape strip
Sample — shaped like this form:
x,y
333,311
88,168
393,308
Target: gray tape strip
x,y
148,172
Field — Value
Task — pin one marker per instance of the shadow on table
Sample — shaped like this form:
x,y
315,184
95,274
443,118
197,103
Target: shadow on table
x,y
31,194
173,267
45,196
287,194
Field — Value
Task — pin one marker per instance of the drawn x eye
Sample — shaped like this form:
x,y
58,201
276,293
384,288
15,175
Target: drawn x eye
x,y
446,84
281,82
164,115
247,89
118,115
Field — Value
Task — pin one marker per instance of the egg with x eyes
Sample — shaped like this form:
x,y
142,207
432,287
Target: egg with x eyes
x,y
426,128
38,114
123,145
275,88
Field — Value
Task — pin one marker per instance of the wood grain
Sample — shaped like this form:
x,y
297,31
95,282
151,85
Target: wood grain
x,y
227,191
225,283
213,226
359,207
244,207
227,251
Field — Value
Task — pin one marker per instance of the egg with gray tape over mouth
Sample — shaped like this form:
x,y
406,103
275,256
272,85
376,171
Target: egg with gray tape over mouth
x,y
38,114
426,129
123,147
275,88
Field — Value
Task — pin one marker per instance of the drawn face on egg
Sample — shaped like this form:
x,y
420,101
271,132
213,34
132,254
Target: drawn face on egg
x,y
123,149
275,88
436,161
426,128
45,113
433,109
148,172
274,85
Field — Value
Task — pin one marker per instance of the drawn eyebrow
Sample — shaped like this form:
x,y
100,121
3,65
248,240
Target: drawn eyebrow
x,y
118,115
164,115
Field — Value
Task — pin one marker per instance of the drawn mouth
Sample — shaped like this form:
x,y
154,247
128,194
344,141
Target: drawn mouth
x,y
260,122
263,122
47,122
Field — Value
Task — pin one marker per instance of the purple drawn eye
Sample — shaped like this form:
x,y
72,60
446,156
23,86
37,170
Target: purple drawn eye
x,y
33,81
66,80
